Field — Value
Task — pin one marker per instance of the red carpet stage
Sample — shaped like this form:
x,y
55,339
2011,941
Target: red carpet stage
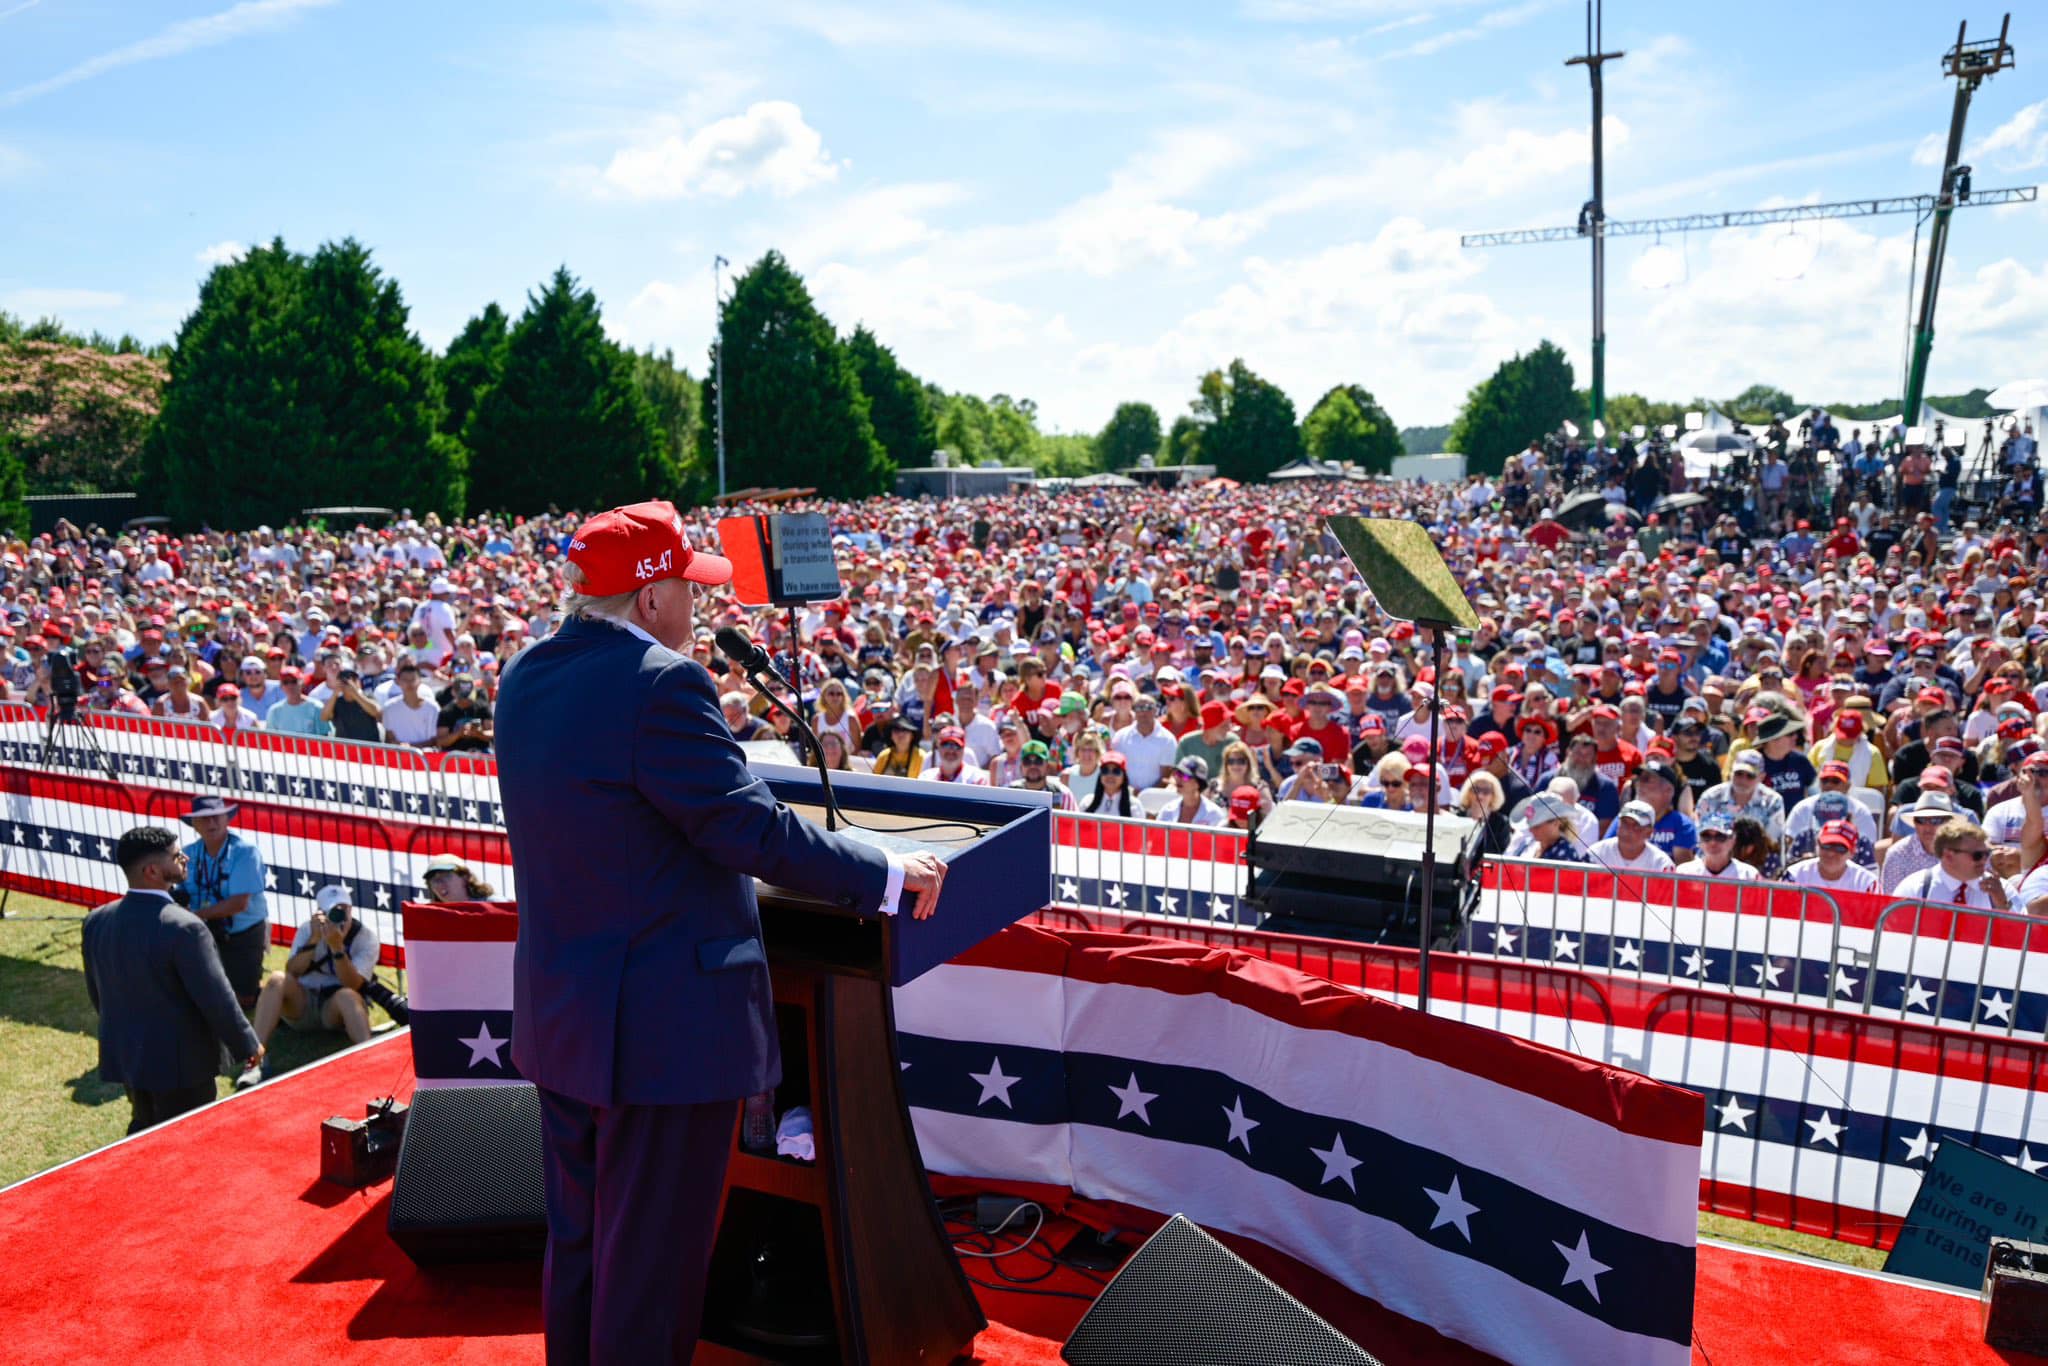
x,y
212,1241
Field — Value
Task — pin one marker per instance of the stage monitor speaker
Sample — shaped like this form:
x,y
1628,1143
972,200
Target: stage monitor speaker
x,y
469,1185
1348,872
2014,1296
1184,1299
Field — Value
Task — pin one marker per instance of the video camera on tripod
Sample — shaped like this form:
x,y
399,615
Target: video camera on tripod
x,y
66,687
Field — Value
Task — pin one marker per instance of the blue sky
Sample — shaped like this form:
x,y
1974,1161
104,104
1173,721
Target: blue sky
x,y
1079,204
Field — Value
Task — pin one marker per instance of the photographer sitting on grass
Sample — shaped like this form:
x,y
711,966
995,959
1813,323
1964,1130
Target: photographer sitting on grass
x,y
325,979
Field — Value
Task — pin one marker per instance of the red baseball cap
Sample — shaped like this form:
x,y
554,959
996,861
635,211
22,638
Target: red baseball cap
x,y
1493,744
1835,768
1849,723
1243,801
1214,714
1840,833
953,735
630,547
1504,693
1931,697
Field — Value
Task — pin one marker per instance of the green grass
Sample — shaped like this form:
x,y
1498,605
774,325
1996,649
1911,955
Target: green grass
x,y
53,1105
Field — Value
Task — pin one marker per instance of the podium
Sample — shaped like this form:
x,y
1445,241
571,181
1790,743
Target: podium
x,y
845,1259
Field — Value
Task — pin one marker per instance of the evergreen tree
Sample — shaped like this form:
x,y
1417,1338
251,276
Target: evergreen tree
x,y
1132,431
472,364
565,425
897,406
1247,423
1526,397
795,416
296,383
675,399
1383,440
1183,442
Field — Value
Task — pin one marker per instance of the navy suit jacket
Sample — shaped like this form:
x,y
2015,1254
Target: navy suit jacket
x,y
637,832
165,1005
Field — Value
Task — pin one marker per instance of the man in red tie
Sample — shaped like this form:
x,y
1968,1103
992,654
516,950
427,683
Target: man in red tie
x,y
1963,877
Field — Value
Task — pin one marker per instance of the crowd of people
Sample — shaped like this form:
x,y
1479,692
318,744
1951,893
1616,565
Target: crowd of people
x,y
1837,681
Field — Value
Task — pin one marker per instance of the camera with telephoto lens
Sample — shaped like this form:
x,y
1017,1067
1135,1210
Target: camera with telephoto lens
x,y
65,685
394,1005
361,1152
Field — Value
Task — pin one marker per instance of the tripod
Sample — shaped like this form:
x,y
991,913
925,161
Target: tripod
x,y
64,713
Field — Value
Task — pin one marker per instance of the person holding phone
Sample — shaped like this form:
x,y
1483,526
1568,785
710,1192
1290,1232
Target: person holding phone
x,y
353,713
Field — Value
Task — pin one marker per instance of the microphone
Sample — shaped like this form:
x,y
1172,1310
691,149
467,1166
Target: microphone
x,y
735,645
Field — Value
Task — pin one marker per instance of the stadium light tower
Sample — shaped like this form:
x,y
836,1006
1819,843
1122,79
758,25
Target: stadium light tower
x,y
1971,64
1593,217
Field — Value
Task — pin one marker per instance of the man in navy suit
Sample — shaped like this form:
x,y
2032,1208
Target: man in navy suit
x,y
155,978
641,1003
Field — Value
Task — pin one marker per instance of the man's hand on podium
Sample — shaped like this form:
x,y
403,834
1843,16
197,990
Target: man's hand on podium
x,y
924,873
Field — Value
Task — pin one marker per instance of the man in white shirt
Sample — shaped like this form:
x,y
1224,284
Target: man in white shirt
x,y
1717,848
439,619
2002,823
411,717
1148,746
1629,849
950,752
1830,869
1963,877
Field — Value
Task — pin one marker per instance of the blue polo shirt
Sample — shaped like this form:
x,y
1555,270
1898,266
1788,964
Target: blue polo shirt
x,y
239,869
1672,834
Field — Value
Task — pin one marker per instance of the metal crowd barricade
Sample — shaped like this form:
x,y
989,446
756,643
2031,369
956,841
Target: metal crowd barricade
x,y
1128,866
1765,939
1983,970
466,787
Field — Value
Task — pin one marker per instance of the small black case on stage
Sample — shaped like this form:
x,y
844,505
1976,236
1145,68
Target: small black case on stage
x,y
469,1185
2014,1295
1184,1299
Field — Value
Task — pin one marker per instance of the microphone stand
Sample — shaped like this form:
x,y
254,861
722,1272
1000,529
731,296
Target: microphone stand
x,y
803,727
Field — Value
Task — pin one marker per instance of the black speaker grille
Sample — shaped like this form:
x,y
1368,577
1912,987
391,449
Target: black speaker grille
x,y
469,1185
1184,1299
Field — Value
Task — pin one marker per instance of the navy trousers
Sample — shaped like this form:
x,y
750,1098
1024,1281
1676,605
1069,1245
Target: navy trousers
x,y
632,1211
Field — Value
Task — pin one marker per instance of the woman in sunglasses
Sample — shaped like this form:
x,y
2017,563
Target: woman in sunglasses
x,y
1112,788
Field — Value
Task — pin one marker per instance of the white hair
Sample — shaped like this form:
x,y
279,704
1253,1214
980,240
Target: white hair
x,y
1564,787
616,608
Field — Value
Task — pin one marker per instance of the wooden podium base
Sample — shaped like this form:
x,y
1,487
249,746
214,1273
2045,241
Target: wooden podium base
x,y
844,1259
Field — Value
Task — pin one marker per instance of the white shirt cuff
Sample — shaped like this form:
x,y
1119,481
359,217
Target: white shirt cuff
x,y
893,891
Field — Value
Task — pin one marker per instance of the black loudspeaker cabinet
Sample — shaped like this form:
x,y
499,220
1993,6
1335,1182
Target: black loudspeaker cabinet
x,y
469,1186
1184,1299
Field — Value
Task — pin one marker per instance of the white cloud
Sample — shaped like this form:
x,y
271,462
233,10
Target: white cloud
x,y
1928,151
1491,22
221,253
1393,311
2018,144
875,222
769,147
187,35
1132,221
917,307
60,303
1518,158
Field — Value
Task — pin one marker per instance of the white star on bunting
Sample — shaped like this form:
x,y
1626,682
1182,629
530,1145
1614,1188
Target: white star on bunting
x,y
482,1047
1564,946
383,898
1337,1164
1919,1146
1503,939
994,1085
1767,972
1240,1126
106,851
1168,904
1115,895
2024,1160
1070,890
1733,1115
1825,1130
44,836
1580,1267
305,885
1917,996
1628,954
77,845
1131,1100
1696,964
270,879
1845,985
1997,1007
1452,1208
1220,908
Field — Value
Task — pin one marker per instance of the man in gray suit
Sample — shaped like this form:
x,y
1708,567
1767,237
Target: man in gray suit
x,y
155,978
